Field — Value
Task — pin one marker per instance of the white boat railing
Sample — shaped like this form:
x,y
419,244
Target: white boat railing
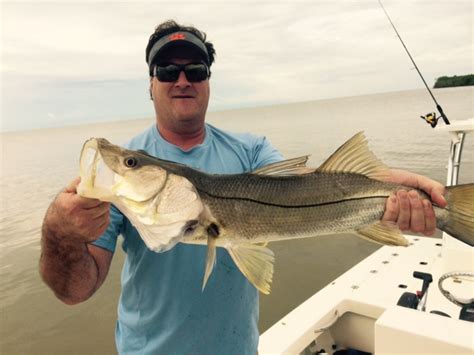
x,y
456,254
458,131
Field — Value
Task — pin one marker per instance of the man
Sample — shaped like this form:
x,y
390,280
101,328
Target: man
x,y
162,309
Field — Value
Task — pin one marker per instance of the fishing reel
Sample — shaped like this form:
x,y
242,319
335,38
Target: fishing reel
x,y
431,119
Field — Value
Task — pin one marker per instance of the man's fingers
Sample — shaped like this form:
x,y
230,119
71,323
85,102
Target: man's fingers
x,y
430,218
100,210
72,186
87,203
437,196
403,220
83,202
410,212
417,219
434,189
103,222
78,217
91,223
391,209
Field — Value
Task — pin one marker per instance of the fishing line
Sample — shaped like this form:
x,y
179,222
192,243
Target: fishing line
x,y
438,106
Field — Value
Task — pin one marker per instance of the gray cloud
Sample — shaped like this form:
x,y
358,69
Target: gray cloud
x,y
268,52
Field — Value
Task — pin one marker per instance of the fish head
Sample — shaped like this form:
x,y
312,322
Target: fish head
x,y
109,172
160,204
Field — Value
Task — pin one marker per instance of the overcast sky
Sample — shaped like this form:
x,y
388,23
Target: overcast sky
x,y
76,62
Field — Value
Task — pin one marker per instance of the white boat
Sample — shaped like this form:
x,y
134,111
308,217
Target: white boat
x,y
359,313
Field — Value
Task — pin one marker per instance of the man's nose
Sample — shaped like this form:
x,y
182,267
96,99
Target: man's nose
x,y
182,80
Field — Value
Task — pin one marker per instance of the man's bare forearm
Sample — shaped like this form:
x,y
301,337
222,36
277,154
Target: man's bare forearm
x,y
67,267
68,264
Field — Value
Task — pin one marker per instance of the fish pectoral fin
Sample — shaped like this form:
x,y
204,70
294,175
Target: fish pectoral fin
x,y
210,260
383,233
354,156
295,166
256,263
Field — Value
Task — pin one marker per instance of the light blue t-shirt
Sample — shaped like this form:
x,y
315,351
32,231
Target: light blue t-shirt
x,y
162,309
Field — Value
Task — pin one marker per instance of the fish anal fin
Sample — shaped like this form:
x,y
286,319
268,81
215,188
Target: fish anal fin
x,y
354,156
295,166
256,263
383,233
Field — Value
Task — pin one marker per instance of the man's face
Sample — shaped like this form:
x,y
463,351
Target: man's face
x,y
180,104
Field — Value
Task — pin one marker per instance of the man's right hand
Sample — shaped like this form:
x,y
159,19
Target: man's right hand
x,y
77,218
69,265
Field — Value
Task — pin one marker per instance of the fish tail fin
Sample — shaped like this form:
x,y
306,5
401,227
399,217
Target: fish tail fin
x,y
256,263
460,220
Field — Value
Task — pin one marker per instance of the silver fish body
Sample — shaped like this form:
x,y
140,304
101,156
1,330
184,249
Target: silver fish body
x,y
258,208
170,202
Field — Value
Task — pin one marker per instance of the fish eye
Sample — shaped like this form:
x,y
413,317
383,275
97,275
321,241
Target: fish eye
x,y
130,162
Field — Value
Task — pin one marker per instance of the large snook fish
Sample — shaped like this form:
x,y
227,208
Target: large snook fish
x,y
170,203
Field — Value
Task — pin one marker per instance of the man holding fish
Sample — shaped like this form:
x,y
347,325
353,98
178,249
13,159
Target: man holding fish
x,y
163,308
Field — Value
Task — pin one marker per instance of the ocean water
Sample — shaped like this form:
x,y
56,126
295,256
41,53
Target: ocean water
x,y
35,165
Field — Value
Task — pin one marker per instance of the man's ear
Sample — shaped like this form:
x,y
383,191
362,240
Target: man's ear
x,y
150,88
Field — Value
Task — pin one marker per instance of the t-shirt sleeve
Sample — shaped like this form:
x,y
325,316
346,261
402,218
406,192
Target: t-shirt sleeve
x,y
264,153
108,240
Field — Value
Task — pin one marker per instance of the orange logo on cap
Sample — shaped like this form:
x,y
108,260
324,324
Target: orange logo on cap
x,y
176,36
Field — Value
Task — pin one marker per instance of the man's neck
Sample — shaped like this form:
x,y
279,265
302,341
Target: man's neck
x,y
184,140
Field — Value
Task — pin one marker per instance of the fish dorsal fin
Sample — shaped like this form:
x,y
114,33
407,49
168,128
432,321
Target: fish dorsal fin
x,y
354,156
294,166
383,233
256,263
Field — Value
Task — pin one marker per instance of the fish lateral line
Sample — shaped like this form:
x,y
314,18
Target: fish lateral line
x,y
290,206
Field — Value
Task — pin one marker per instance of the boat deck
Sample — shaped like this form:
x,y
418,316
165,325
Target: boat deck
x,y
348,311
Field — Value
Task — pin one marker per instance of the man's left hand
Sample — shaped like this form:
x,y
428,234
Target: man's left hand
x,y
407,209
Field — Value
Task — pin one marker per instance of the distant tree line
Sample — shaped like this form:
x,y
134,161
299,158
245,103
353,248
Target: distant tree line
x,y
450,81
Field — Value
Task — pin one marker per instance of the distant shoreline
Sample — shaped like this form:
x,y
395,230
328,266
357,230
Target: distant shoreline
x,y
453,81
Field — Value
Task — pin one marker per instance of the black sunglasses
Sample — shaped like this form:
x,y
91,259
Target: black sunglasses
x,y
194,72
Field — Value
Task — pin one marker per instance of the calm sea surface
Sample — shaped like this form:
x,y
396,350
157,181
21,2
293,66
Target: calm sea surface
x,y
35,165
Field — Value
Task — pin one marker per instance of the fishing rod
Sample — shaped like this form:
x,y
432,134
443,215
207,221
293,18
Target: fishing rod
x,y
430,117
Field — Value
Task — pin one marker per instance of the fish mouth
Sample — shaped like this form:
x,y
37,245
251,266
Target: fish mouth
x,y
96,176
